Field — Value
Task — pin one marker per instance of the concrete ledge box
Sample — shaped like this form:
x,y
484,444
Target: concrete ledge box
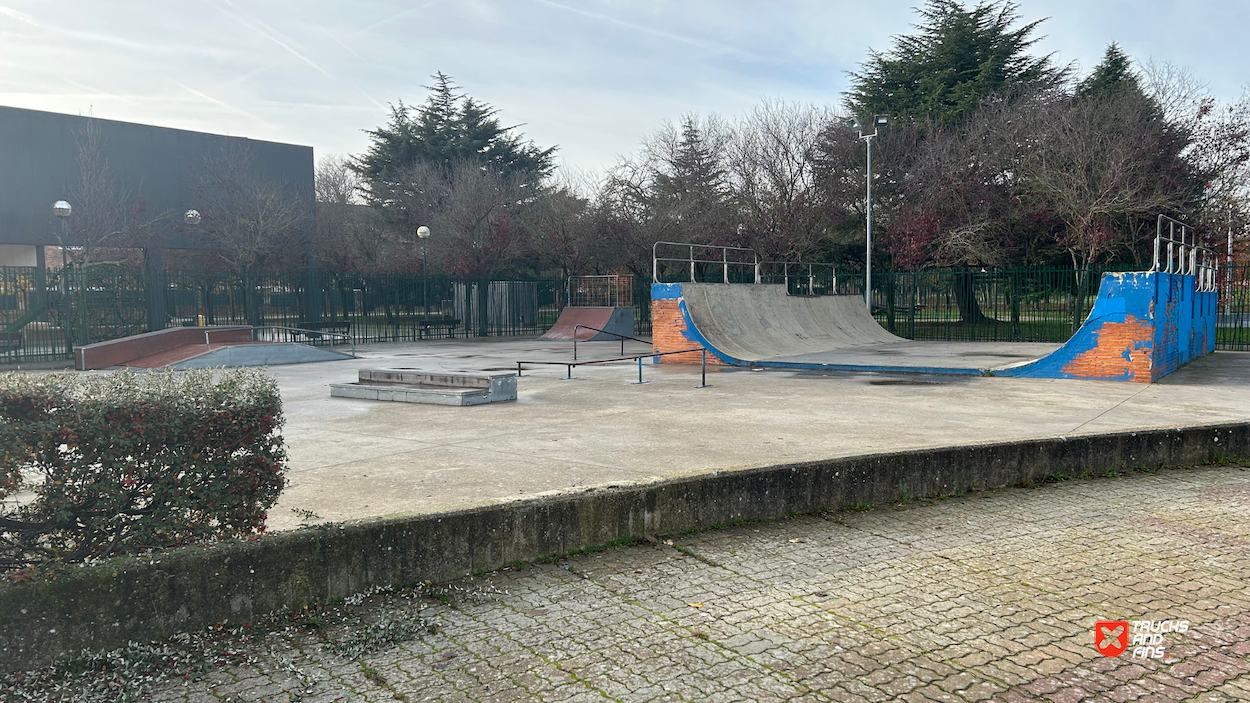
x,y
430,387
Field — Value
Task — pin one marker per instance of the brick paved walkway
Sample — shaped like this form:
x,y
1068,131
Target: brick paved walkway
x,y
987,596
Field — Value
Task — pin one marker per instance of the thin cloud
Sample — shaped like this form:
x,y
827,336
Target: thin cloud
x,y
224,105
88,90
270,34
712,46
397,17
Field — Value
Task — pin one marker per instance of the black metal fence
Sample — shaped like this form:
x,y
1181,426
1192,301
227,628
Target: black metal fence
x,y
374,307
1018,305
1038,304
1232,327
45,321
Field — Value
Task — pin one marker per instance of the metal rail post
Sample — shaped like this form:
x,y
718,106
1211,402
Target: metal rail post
x,y
640,381
702,369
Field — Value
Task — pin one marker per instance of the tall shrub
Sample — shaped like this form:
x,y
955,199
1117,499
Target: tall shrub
x,y
92,466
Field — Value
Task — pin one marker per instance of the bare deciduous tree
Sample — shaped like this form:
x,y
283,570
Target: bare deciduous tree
x,y
252,221
108,221
772,162
350,235
1097,162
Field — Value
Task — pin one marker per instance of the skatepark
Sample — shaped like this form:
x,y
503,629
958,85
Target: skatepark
x,y
793,378
384,493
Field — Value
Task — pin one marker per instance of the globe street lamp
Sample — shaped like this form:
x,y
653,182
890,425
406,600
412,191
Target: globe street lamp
x,y
878,122
423,233
192,218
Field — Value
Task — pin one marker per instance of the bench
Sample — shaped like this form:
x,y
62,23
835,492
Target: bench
x,y
446,325
309,330
431,387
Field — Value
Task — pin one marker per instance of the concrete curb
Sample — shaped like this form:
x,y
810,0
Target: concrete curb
x,y
105,605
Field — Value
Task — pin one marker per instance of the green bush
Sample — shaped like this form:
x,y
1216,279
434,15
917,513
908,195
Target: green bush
x,y
99,465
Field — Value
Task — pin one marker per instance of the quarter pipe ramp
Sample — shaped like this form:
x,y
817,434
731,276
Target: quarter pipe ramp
x,y
1142,326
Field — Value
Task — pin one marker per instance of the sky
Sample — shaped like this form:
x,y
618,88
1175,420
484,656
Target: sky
x,y
590,76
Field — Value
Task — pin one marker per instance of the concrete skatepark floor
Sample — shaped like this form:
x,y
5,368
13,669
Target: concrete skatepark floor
x,y
357,459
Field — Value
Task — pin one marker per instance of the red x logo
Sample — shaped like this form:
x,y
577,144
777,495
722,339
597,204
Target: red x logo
x,y
1111,637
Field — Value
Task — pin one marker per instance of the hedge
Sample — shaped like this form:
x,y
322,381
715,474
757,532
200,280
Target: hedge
x,y
100,465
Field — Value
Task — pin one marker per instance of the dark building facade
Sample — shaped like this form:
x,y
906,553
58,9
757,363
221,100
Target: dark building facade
x,y
40,163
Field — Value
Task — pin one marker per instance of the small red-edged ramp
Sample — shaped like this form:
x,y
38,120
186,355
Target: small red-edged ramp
x,y
180,348
619,321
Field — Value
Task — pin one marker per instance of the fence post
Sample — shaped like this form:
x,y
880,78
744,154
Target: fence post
x,y
154,287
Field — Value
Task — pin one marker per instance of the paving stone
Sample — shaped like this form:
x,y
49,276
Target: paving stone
x,y
964,599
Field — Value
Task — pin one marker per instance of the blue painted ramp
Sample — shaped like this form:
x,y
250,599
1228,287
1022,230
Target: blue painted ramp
x,y
259,355
1143,326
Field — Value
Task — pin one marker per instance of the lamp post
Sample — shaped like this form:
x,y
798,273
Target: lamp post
x,y
423,233
63,210
192,218
878,122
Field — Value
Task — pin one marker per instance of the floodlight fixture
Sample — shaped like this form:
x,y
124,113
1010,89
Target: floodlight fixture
x,y
881,120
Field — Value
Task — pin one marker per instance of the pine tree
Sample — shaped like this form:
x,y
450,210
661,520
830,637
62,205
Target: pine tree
x,y
689,185
1114,73
448,129
957,58
694,175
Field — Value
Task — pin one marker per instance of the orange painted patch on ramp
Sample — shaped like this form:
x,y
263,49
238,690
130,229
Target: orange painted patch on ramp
x,y
1122,352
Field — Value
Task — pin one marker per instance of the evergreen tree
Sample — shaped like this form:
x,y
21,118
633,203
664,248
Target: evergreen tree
x,y
689,187
1114,73
450,128
958,57
693,178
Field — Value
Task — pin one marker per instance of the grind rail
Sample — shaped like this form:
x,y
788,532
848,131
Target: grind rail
x,y
568,375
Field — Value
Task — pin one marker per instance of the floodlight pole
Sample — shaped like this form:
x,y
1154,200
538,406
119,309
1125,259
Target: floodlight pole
x,y
868,227
877,122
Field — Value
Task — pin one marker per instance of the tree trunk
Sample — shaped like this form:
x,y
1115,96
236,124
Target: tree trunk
x,y
252,300
964,284
483,307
